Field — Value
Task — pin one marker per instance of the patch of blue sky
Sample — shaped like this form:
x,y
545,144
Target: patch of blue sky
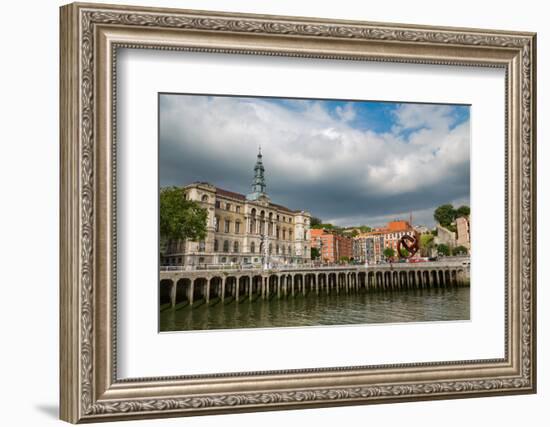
x,y
375,116
461,114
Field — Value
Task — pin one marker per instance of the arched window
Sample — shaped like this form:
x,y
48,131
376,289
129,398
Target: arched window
x,y
201,260
252,222
237,227
236,247
216,245
289,250
283,248
226,246
284,233
202,246
270,248
204,198
277,250
217,223
252,248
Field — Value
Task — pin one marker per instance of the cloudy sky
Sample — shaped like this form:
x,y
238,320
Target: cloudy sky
x,y
347,162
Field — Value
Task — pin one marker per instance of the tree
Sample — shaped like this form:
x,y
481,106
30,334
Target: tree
x,y
351,233
315,253
322,226
344,259
443,249
315,221
463,211
445,214
365,229
404,252
180,219
460,250
451,227
426,244
389,253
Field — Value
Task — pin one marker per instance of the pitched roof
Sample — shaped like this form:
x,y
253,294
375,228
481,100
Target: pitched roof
x,y
281,207
231,194
242,197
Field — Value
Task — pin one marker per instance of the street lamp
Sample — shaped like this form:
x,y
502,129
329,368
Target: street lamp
x,y
264,251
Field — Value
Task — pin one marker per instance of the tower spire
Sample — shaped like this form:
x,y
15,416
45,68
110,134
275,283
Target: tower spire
x,y
258,183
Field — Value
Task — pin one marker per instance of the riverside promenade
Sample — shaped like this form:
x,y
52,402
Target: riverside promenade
x,y
180,286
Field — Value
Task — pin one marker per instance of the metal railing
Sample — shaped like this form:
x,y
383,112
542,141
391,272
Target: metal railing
x,y
315,267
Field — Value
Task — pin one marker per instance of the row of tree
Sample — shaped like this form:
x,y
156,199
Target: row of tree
x,y
350,231
446,214
425,249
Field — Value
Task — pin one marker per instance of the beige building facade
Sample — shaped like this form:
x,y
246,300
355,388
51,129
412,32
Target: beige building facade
x,y
244,229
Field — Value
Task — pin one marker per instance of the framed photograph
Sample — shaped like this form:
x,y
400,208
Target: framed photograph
x,y
266,212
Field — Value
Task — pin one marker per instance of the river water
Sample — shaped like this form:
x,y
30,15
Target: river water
x,y
314,310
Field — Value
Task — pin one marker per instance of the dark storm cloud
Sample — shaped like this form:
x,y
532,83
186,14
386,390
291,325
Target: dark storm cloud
x,y
317,158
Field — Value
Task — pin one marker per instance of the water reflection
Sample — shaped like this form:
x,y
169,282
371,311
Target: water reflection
x,y
314,310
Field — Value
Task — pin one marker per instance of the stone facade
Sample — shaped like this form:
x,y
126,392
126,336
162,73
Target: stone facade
x,y
463,232
445,237
243,229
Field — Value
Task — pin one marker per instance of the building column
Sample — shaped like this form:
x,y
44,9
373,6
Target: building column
x,y
317,283
191,291
237,284
223,288
173,291
207,293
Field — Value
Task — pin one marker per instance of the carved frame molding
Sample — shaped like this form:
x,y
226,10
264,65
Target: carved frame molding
x,y
90,36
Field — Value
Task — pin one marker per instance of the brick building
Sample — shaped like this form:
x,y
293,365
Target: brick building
x,y
333,247
381,238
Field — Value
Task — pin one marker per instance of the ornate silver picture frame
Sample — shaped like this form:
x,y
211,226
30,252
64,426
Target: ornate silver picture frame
x,y
91,36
